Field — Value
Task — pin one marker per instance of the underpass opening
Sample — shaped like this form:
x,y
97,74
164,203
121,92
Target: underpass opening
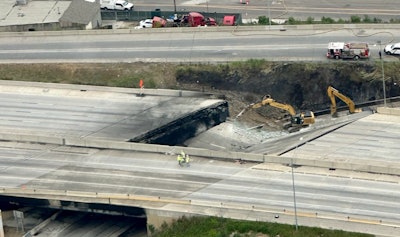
x,y
56,217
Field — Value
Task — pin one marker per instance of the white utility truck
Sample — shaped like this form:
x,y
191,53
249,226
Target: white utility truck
x,y
116,5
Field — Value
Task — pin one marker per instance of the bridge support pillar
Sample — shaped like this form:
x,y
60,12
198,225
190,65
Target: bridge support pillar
x,y
1,225
156,218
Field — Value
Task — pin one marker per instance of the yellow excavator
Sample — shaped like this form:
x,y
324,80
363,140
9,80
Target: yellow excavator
x,y
333,93
297,121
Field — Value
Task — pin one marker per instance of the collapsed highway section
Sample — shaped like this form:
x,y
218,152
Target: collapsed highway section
x,y
116,114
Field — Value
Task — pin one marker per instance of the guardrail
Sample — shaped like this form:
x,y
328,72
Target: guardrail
x,y
229,209
274,29
372,166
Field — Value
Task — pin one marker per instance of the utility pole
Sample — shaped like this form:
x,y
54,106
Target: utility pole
x,y
269,14
294,197
294,189
383,74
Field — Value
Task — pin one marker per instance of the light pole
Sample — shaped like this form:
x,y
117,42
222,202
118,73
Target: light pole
x,y
294,189
383,74
294,196
269,14
175,6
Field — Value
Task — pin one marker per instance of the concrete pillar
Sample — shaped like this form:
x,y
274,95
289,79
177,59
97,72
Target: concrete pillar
x,y
1,226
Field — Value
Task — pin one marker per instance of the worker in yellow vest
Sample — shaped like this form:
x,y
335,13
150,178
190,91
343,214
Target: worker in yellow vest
x,y
181,158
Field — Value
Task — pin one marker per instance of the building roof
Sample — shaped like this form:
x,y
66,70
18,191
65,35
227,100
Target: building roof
x,y
81,11
35,12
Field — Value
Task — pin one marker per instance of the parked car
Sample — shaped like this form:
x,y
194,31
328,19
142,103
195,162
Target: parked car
x,y
148,23
392,49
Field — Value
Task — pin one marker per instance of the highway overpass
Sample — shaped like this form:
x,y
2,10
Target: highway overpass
x,y
346,175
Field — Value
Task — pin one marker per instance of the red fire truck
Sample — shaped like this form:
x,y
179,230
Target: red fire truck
x,y
352,50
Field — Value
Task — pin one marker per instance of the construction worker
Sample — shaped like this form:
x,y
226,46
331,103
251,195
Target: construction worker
x,y
187,160
181,158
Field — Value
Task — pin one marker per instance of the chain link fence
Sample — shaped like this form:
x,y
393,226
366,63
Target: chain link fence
x,y
135,16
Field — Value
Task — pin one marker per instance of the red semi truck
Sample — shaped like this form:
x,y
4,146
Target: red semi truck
x,y
195,19
192,19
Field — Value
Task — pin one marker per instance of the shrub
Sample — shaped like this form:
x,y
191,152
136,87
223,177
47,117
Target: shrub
x,y
263,20
292,21
327,20
377,20
394,20
341,21
355,19
367,19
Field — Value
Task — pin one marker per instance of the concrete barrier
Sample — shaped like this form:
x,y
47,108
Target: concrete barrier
x,y
80,194
112,195
231,209
88,90
354,165
276,28
10,136
389,111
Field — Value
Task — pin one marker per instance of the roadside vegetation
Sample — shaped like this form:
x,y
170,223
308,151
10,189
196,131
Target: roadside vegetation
x,y
221,227
355,19
301,84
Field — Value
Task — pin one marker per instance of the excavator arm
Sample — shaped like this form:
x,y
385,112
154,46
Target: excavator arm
x,y
302,119
286,107
333,93
267,100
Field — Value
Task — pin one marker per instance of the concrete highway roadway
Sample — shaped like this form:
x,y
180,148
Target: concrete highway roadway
x,y
87,111
184,45
351,200
326,198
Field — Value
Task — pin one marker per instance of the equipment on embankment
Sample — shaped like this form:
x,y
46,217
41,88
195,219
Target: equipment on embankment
x,y
297,120
333,93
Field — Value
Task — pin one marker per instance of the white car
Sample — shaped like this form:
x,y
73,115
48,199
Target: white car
x,y
148,23
392,49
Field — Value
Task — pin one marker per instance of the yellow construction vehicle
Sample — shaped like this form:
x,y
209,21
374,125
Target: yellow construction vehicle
x,y
297,120
333,93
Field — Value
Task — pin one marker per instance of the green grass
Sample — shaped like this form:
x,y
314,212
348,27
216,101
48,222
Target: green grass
x,y
221,227
354,19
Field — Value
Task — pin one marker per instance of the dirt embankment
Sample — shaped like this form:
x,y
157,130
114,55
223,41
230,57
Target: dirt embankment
x,y
302,85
